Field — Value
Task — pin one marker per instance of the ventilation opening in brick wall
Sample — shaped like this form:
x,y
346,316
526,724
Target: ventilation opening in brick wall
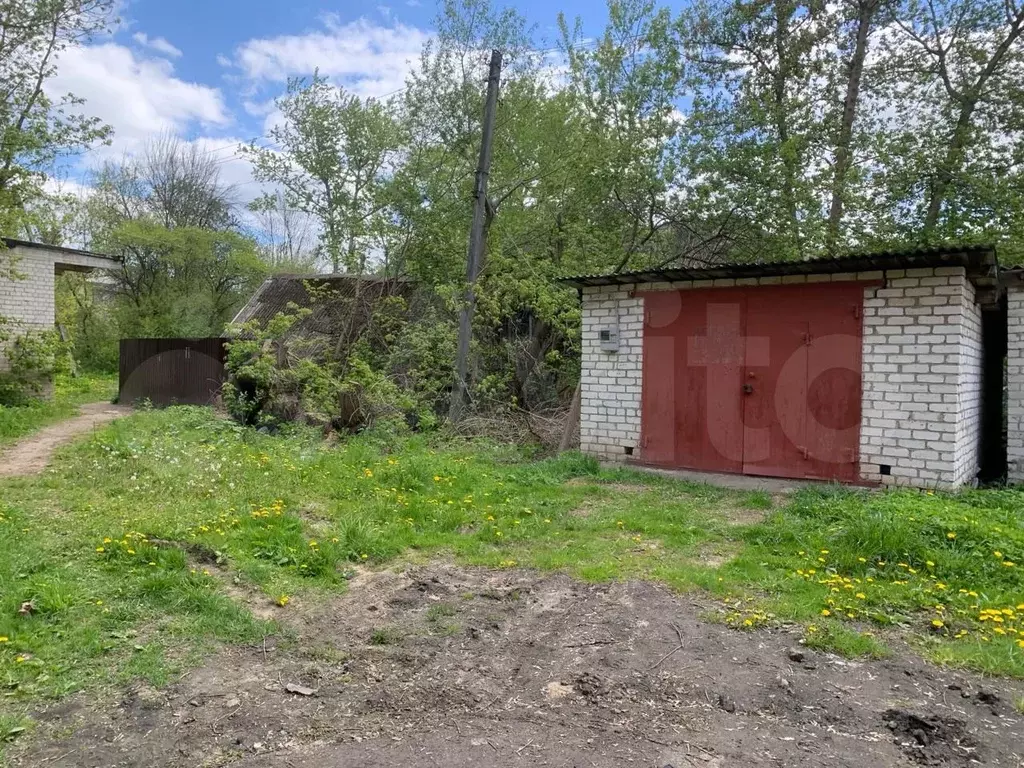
x,y
885,469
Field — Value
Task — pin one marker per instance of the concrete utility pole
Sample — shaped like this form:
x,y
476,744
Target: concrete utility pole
x,y
477,241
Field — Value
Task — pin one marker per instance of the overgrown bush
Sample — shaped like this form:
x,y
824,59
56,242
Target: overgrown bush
x,y
33,359
379,370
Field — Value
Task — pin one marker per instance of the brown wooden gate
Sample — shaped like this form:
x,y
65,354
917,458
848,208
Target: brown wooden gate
x,y
762,380
171,371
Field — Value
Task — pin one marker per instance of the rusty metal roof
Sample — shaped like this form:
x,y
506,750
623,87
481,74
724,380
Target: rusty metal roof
x,y
979,261
324,295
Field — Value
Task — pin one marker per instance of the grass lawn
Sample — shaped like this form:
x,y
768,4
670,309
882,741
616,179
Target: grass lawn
x,y
69,393
115,565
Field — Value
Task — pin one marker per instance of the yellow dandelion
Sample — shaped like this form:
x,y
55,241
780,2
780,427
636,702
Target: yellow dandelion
x,y
100,549
283,600
826,612
951,535
1008,564
4,639
930,564
937,623
998,554
860,596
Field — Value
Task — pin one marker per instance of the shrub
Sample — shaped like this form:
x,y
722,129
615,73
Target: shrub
x,y
33,359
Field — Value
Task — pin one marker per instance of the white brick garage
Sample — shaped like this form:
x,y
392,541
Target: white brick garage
x,y
1015,376
920,367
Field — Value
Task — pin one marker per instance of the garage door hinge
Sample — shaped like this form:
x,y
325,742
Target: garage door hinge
x,y
807,339
856,311
805,453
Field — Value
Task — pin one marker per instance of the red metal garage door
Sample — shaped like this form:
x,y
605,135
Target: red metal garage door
x,y
763,380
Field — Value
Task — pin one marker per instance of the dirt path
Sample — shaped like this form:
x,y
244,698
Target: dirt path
x,y
31,455
474,668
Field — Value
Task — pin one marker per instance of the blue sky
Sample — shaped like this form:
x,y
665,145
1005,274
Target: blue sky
x,y
208,70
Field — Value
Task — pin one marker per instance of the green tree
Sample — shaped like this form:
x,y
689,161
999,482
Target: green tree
x,y
184,281
35,128
962,67
331,155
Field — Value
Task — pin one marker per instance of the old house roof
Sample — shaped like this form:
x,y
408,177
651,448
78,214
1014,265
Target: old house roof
x,y
979,261
330,298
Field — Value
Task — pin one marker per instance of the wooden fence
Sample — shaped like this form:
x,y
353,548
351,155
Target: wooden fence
x,y
170,371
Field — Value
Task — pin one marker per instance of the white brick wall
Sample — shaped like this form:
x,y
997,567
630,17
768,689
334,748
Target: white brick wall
x,y
28,303
921,379
1015,382
968,435
610,381
921,407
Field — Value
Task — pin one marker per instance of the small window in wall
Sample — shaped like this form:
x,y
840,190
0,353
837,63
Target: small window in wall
x,y
629,450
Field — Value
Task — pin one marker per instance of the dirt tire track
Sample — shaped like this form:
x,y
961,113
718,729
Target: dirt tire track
x,y
530,669
32,454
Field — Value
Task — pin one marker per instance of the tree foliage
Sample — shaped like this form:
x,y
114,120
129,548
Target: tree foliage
x,y
734,130
36,128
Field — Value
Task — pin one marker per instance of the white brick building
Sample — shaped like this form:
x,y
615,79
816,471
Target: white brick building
x,y
27,301
862,369
1015,376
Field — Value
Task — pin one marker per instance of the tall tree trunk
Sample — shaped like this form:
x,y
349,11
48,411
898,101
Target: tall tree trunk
x,y
865,15
949,166
783,13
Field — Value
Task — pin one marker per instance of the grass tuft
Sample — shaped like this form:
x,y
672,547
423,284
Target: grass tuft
x,y
850,643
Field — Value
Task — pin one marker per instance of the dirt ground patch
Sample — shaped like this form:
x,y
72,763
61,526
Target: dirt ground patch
x,y
31,455
442,666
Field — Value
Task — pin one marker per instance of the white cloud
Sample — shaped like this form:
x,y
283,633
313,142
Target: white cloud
x,y
137,96
158,44
365,57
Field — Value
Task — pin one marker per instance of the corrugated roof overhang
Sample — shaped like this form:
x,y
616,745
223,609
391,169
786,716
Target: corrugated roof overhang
x,y
978,260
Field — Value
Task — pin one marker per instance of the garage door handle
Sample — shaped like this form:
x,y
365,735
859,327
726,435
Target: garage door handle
x,y
748,389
